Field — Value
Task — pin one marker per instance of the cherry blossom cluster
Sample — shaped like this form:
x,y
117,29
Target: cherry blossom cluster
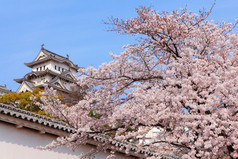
x,y
181,76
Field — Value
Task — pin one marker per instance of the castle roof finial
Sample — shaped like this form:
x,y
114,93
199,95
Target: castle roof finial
x,y
42,46
67,56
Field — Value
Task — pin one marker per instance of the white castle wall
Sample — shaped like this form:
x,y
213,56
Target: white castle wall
x,y
60,67
22,143
43,66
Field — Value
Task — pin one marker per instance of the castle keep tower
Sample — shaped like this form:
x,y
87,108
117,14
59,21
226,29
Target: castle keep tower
x,y
49,68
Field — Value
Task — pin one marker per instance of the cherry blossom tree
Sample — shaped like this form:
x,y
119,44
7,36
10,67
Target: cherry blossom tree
x,y
181,76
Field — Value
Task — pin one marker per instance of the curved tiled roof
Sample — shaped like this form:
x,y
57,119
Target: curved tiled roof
x,y
19,80
33,117
47,71
12,111
52,56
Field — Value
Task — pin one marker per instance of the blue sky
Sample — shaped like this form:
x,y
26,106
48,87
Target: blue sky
x,y
75,27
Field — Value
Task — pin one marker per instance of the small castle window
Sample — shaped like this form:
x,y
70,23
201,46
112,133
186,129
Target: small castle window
x,y
62,69
44,67
37,69
40,68
58,68
55,67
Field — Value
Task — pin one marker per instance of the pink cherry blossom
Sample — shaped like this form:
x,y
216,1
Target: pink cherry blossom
x,y
181,76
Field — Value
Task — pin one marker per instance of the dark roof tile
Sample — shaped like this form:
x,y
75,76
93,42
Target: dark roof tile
x,y
39,119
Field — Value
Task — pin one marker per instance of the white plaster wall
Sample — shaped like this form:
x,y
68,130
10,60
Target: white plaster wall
x,y
41,80
74,72
66,84
48,78
38,81
22,144
53,64
46,64
23,88
151,136
62,65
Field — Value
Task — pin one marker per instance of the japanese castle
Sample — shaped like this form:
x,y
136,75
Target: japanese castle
x,y
51,69
4,90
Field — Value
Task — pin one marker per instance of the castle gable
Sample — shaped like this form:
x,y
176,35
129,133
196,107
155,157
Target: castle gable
x,y
58,83
25,86
40,56
46,57
68,75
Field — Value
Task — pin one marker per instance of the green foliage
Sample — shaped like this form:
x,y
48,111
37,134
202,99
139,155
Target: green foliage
x,y
9,98
24,100
91,114
129,129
